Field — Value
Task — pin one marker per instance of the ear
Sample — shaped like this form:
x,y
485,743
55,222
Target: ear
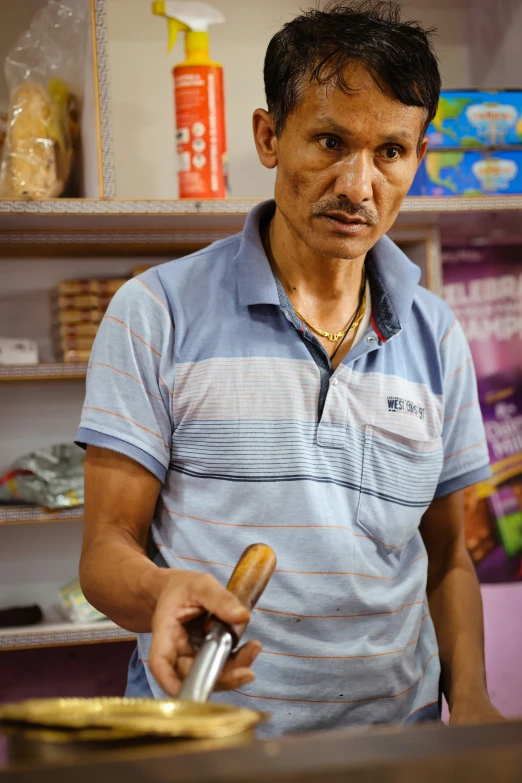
x,y
265,138
422,150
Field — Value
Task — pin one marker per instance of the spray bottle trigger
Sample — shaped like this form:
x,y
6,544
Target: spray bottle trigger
x,y
175,27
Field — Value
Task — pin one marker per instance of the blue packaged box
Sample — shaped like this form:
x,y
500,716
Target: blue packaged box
x,y
469,173
472,118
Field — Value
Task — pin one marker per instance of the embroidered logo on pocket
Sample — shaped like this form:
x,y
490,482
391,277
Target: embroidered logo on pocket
x,y
400,405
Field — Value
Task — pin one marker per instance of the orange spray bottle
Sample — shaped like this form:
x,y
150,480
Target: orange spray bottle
x,y
199,98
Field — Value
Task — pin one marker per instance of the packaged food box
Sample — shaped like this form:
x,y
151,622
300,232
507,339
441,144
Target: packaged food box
x,y
506,509
81,301
77,330
106,287
473,118
69,357
75,605
80,316
76,343
13,351
469,173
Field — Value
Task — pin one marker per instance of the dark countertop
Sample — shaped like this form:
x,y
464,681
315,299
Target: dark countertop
x,y
421,754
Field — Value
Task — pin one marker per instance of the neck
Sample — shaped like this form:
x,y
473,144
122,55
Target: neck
x,y
323,287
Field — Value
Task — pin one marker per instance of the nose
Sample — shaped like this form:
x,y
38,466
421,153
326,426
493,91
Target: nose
x,y
354,179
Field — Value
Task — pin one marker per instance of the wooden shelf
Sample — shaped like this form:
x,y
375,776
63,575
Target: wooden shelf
x,y
199,212
26,515
53,371
78,226
61,634
451,204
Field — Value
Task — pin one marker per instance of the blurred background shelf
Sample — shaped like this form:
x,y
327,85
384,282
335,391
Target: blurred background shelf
x,y
61,634
51,371
82,227
25,515
122,212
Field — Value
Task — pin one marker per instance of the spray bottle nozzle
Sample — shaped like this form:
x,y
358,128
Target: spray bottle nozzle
x,y
186,17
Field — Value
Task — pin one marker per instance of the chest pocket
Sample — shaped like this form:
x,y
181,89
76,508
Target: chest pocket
x,y
398,482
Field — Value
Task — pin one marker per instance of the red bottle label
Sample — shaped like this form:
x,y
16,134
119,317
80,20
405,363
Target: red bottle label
x,y
200,131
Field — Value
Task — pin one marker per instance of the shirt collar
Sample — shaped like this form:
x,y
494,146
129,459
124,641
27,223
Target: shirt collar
x,y
393,282
393,277
254,274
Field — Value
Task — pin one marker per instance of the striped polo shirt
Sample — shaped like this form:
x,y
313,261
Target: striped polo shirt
x,y
203,373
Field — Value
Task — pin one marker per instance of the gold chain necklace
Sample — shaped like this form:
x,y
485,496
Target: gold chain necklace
x,y
334,337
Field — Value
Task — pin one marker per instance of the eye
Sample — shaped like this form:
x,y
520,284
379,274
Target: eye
x,y
392,152
330,143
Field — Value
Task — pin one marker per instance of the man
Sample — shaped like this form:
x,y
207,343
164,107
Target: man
x,y
294,385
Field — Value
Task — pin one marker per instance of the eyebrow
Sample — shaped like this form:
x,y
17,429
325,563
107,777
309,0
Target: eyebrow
x,y
401,136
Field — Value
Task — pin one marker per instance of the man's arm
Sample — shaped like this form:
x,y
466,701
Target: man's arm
x,y
456,610
118,578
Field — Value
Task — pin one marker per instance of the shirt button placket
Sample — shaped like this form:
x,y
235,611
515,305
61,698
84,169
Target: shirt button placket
x,y
331,431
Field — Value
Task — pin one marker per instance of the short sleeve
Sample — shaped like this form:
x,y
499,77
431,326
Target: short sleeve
x,y
466,459
130,378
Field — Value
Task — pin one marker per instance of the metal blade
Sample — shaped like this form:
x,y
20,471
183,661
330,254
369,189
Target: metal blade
x,y
208,664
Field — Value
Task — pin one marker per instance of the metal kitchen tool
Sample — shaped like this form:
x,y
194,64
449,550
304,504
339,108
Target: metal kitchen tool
x,y
189,716
250,577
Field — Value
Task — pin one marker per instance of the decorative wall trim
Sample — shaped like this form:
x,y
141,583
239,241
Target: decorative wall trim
x,y
102,88
42,372
127,207
24,515
234,206
62,634
119,238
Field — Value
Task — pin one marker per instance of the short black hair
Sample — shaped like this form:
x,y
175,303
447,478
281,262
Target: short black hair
x,y
319,44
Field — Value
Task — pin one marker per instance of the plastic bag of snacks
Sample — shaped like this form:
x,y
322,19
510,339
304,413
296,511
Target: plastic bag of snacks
x,y
75,605
51,477
44,74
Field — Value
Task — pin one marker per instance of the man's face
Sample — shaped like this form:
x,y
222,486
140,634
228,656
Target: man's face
x,y
345,163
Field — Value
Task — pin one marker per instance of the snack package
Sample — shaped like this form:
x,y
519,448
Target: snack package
x,y
469,173
77,331
81,301
44,73
106,287
75,605
51,477
80,316
76,343
76,356
476,118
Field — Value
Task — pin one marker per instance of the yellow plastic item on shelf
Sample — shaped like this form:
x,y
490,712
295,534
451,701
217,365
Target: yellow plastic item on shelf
x,y
199,101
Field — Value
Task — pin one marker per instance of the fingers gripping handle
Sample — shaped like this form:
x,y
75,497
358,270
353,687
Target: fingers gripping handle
x,y
251,576
249,579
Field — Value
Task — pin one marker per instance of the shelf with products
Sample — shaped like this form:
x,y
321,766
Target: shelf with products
x,y
27,515
60,634
83,227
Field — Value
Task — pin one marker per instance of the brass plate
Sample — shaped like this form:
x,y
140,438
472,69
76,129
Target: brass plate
x,y
139,717
59,736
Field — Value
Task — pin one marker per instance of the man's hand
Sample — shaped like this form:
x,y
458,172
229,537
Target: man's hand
x,y
185,596
119,579
473,711
456,609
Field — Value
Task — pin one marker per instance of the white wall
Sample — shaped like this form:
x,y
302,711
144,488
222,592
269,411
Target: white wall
x,y
141,84
496,54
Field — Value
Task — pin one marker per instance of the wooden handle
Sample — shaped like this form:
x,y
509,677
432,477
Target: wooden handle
x,y
250,577
252,574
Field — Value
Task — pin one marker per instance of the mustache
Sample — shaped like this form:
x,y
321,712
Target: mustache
x,y
348,208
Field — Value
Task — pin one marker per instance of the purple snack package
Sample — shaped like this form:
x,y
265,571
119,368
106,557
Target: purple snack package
x,y
500,397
